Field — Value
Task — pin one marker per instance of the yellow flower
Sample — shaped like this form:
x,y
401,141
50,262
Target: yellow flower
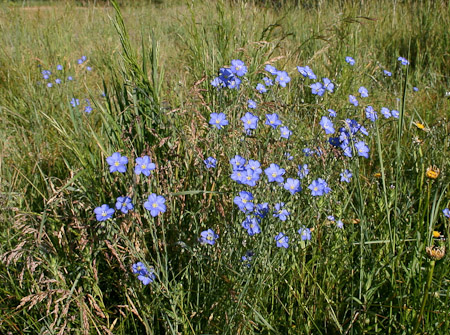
x,y
432,172
420,126
377,175
436,234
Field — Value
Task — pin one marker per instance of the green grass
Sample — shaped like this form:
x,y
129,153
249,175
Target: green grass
x,y
64,272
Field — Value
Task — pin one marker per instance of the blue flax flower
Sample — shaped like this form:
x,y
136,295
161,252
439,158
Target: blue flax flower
x,y
282,78
208,237
274,173
139,268
282,241
446,212
261,210
340,224
317,88
267,81
305,71
238,162
59,67
249,177
124,204
250,121
280,212
217,82
350,60
346,176
238,176
155,204
255,166
271,69
395,113
273,120
305,234
244,201
234,82
144,275
117,163
58,81
292,185
371,114
403,61
303,171
319,187
238,67
144,165
353,100
251,104
363,91
387,73
386,112
328,85
362,148
103,213
210,162
252,225
285,132
261,88
327,125
331,113
75,102
218,120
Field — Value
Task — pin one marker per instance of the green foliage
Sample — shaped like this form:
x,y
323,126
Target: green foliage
x,y
63,272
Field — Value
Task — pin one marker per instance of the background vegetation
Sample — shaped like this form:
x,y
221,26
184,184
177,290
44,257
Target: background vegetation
x,y
63,272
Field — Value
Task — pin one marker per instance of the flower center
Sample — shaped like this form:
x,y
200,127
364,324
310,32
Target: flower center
x,y
143,166
104,214
116,163
154,205
274,174
315,188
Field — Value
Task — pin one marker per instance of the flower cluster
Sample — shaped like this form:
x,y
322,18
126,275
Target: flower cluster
x,y
155,204
146,276
61,77
229,76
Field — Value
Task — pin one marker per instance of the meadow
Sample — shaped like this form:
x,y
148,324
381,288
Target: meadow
x,y
224,167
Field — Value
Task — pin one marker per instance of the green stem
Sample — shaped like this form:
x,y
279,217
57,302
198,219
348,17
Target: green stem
x,y
425,296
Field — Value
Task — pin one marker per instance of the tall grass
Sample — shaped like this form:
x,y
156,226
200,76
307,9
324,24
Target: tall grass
x,y
63,272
